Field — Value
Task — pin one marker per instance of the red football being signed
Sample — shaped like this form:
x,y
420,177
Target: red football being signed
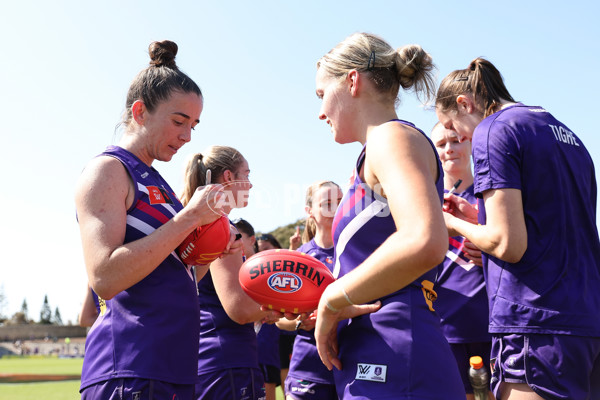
x,y
206,243
285,280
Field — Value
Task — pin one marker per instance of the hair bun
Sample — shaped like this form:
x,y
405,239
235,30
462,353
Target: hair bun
x,y
415,64
163,53
416,71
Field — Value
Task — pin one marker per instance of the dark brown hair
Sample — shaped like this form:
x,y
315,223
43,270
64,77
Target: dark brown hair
x,y
481,80
245,227
158,81
269,238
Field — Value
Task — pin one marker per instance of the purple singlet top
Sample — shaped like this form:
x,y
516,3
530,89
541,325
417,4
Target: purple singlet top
x,y
305,363
224,343
398,352
150,330
554,287
462,300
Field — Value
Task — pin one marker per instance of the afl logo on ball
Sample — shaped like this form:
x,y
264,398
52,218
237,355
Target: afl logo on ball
x,y
285,282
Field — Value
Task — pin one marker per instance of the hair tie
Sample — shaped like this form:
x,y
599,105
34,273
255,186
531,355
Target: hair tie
x,y
347,298
329,306
371,63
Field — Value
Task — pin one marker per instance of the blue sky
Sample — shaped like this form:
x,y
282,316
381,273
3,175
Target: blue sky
x,y
66,67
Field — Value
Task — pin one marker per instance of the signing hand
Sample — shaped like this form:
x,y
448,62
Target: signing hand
x,y
460,208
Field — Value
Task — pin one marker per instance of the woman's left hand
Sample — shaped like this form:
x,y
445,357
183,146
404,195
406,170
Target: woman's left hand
x,y
235,244
326,328
460,208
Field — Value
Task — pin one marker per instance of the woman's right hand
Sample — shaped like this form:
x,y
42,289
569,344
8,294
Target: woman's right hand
x,y
206,205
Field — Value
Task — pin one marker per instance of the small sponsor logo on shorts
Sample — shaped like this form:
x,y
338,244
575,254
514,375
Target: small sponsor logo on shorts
x,y
302,386
244,393
371,372
511,362
136,395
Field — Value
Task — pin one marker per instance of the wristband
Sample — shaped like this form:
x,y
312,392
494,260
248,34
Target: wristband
x,y
298,324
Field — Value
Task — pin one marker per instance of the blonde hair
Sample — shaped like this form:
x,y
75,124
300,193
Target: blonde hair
x,y
216,158
310,228
410,66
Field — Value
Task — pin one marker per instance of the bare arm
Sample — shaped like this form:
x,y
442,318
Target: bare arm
x,y
400,161
238,306
88,313
404,166
504,235
103,195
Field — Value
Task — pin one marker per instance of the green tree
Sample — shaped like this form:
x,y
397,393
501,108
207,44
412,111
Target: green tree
x,y
283,233
25,310
57,320
46,312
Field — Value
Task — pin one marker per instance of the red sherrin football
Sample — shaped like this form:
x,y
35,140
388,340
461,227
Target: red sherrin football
x,y
285,280
206,243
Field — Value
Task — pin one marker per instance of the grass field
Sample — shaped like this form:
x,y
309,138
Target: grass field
x,y
40,365
64,390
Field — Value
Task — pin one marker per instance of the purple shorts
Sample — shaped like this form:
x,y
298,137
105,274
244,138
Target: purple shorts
x,y
463,352
554,366
233,383
271,374
137,389
303,389
286,345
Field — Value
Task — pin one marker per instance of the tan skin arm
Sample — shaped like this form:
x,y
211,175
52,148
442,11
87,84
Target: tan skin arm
x,y
88,312
238,306
401,161
504,235
103,195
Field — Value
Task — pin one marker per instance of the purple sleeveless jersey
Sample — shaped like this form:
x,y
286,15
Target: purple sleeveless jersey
x,y
224,344
150,330
398,352
267,340
462,300
554,287
305,363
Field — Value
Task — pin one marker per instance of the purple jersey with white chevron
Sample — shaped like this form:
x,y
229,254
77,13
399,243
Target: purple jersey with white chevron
x,y
554,287
224,343
462,300
306,363
150,330
399,351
